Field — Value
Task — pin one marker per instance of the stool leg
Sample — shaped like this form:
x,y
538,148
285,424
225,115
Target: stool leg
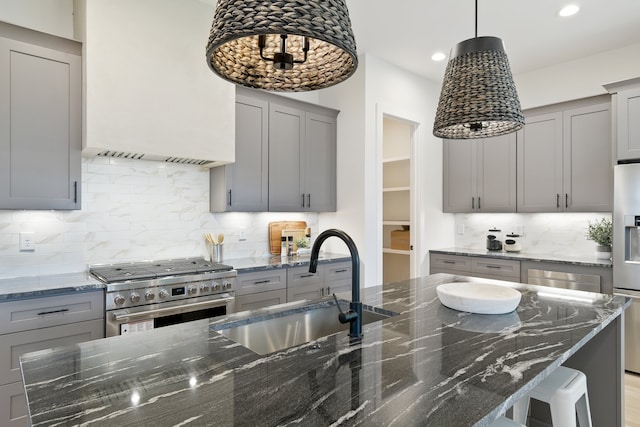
x,y
584,412
563,412
521,410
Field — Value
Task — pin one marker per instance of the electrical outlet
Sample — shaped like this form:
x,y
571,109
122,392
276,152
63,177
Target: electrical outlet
x,y
519,230
242,237
27,241
461,229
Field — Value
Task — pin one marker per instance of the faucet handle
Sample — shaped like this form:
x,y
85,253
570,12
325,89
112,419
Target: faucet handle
x,y
343,317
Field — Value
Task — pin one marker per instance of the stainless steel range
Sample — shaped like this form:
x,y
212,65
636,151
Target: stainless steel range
x,y
151,294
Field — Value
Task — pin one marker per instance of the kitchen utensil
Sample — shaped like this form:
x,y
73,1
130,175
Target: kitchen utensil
x,y
220,238
512,243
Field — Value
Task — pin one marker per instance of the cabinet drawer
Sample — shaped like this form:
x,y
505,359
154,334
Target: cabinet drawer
x,y
337,271
263,281
12,346
44,312
260,300
456,263
13,405
300,276
490,267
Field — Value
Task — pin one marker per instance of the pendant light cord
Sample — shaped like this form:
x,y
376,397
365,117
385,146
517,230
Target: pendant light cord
x,y
476,18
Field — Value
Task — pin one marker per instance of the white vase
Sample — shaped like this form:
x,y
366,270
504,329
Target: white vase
x,y
603,252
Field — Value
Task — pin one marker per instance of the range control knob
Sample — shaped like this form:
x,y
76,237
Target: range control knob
x,y
119,299
163,294
149,296
192,290
216,286
226,284
134,297
205,287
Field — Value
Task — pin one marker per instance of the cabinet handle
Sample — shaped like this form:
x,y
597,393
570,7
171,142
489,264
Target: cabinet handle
x,y
341,271
44,313
229,197
446,261
322,291
493,266
479,203
328,290
75,191
473,203
557,200
309,200
303,200
260,282
306,275
566,200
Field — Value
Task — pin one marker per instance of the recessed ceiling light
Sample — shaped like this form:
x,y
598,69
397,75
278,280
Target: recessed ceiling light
x,y
569,10
438,56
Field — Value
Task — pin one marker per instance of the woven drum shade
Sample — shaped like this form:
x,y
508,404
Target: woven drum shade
x,y
233,51
478,97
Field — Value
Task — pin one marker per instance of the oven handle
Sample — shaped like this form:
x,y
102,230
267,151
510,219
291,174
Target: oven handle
x,y
119,316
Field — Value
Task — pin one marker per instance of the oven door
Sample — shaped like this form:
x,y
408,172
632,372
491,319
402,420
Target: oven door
x,y
146,317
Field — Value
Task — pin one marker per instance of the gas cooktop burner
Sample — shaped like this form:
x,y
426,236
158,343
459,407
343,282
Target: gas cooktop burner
x,y
110,273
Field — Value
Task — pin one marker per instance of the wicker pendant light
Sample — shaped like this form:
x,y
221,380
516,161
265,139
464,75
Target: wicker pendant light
x,y
478,97
286,46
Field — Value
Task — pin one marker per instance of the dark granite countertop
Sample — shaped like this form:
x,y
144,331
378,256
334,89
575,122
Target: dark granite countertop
x,y
429,365
590,261
18,288
49,285
251,264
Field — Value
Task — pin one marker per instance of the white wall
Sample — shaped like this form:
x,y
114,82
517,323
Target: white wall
x,y
577,79
49,16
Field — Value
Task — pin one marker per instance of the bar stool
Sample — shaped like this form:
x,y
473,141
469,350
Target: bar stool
x,y
505,422
565,390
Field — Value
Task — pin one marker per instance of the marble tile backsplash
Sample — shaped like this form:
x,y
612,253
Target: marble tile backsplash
x,y
132,210
544,233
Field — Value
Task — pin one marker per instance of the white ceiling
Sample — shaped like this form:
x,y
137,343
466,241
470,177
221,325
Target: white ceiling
x,y
408,32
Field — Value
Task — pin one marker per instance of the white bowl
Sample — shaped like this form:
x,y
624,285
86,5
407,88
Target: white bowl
x,y
480,298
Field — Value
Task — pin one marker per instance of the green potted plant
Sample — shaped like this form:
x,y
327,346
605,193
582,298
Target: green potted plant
x,y
601,232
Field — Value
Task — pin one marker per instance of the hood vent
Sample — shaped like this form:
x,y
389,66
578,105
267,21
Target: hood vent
x,y
138,156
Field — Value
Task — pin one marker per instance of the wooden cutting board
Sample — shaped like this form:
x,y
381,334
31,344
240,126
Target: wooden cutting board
x,y
295,228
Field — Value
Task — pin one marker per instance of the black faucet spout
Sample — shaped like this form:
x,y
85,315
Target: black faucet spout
x,y
354,315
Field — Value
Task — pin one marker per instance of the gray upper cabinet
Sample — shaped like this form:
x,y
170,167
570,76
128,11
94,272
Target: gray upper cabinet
x,y
628,124
40,120
243,186
480,175
285,157
564,159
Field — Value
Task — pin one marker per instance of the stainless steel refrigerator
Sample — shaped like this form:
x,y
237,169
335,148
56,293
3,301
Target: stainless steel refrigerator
x,y
626,254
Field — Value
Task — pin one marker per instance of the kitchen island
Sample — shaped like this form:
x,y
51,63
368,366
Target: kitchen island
x,y
427,365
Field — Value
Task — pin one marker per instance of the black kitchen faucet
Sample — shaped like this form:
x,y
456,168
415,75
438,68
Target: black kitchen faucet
x,y
354,315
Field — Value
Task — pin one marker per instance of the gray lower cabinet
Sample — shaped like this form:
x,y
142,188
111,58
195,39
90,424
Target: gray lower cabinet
x,y
329,278
260,289
243,186
564,158
485,267
480,175
40,120
37,324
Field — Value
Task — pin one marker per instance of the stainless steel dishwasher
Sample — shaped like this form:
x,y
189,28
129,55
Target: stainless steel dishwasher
x,y
560,279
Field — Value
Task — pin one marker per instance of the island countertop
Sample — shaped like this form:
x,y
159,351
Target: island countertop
x,y
429,365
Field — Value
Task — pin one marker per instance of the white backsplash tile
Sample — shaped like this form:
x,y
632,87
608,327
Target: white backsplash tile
x,y
544,233
132,210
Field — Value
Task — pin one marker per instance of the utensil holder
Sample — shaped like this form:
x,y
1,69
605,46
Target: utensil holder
x,y
215,253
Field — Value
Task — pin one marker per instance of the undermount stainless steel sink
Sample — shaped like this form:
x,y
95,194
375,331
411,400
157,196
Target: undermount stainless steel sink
x,y
295,327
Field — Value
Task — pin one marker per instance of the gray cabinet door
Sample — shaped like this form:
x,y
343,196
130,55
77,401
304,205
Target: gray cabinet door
x,y
40,127
13,406
540,164
243,185
319,153
628,124
459,181
260,300
588,167
286,134
496,174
